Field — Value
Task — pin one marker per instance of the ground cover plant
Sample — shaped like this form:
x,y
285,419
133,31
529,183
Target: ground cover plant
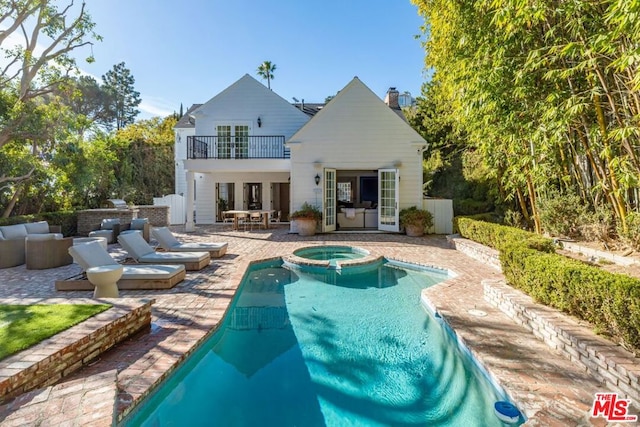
x,y
22,326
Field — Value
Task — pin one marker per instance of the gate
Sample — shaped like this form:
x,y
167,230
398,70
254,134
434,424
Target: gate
x,y
177,210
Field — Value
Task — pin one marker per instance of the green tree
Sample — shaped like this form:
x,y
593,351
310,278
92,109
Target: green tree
x,y
547,95
28,75
265,70
124,99
89,102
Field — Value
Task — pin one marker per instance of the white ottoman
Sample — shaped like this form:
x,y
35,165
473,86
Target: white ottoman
x,y
105,279
81,240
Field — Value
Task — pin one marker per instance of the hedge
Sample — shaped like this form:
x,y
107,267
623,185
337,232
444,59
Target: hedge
x,y
497,236
68,220
611,302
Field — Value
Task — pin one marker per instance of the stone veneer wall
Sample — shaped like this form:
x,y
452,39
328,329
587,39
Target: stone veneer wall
x,y
158,215
69,350
482,253
618,369
90,219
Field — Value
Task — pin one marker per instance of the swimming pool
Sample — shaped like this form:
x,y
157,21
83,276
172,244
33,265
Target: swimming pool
x,y
313,346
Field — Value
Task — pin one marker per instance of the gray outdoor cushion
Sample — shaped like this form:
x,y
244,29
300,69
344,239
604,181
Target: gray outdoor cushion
x,y
140,250
91,254
107,224
151,271
44,236
107,234
167,241
13,232
138,223
40,227
135,245
161,257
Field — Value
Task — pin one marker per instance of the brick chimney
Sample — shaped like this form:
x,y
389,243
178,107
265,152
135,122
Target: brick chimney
x,y
391,98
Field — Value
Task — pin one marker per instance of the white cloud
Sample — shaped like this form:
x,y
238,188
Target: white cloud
x,y
154,106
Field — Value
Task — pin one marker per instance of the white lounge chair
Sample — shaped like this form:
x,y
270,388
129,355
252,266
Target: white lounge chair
x,y
141,252
168,242
150,276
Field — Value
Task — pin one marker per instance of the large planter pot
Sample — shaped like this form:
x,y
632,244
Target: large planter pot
x,y
414,230
306,227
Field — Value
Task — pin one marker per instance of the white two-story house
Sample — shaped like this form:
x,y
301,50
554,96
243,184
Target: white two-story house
x,y
247,148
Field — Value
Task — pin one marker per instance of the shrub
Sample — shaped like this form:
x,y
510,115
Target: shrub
x,y
471,206
307,211
416,217
562,214
68,220
497,236
611,302
632,236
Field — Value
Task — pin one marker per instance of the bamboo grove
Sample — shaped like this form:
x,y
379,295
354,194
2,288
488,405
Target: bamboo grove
x,y
547,92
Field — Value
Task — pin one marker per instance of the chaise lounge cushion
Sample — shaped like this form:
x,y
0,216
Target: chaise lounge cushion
x,y
168,242
140,251
92,254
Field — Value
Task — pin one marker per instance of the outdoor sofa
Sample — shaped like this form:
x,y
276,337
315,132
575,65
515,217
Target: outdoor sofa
x,y
13,240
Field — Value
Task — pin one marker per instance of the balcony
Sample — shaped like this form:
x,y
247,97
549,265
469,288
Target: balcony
x,y
237,147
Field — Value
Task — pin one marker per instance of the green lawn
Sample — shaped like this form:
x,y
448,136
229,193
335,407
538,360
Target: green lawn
x,y
22,326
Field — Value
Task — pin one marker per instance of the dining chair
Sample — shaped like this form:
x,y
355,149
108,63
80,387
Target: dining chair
x,y
228,219
255,219
243,220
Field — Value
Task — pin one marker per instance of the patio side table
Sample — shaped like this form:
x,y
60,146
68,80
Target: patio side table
x,y
105,278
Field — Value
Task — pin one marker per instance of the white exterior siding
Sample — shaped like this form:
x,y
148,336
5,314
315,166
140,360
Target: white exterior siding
x,y
242,103
205,199
356,131
180,155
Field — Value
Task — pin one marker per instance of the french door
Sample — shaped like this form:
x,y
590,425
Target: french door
x,y
329,199
388,196
232,141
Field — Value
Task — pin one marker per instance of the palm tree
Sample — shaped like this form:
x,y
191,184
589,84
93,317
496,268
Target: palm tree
x,y
265,70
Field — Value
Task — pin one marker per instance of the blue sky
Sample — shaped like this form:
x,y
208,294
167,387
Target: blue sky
x,y
188,51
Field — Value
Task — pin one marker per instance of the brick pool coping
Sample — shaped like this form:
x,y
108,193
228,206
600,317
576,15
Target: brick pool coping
x,y
553,390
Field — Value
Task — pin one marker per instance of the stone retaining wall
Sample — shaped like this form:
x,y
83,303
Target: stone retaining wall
x,y
158,215
618,369
47,362
482,253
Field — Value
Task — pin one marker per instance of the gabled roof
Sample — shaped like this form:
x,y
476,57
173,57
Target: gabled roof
x,y
360,102
187,121
240,88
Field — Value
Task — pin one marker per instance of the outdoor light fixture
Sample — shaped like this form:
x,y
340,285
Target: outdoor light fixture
x,y
317,178
259,122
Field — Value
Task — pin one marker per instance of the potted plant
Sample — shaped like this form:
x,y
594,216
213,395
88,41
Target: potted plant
x,y
415,221
306,218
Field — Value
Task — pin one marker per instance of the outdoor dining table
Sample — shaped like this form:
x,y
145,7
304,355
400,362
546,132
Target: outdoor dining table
x,y
239,213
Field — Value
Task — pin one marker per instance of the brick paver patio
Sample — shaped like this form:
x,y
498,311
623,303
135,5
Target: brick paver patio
x,y
549,388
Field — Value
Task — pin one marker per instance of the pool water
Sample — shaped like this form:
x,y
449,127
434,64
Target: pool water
x,y
331,253
327,348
